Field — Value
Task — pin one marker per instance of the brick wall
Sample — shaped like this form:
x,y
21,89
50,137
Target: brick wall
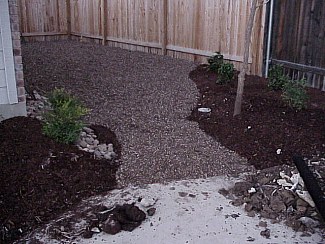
x,y
15,33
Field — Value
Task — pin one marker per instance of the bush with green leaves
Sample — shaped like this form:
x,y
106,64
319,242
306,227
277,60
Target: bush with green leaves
x,y
277,79
294,94
63,122
215,61
226,73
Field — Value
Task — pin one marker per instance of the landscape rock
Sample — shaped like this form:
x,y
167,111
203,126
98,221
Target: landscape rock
x,y
277,204
87,234
87,130
145,202
95,230
97,153
151,211
262,224
110,148
276,197
102,147
108,156
266,233
83,144
89,140
309,222
111,225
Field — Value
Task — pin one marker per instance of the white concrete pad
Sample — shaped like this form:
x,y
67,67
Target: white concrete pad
x,y
202,216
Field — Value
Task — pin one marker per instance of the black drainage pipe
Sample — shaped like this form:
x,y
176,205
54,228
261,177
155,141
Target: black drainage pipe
x,y
311,184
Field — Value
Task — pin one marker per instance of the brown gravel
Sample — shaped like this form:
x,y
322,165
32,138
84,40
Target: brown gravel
x,y
144,98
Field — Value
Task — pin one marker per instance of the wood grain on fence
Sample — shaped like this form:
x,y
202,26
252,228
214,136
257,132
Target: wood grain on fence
x,y
41,18
191,29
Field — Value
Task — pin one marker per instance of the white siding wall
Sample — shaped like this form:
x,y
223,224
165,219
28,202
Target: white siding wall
x,y
8,90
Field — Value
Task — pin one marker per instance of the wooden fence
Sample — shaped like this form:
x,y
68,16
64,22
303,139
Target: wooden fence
x,y
298,40
189,29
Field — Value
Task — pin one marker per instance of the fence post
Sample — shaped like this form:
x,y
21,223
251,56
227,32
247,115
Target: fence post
x,y
68,8
104,19
165,27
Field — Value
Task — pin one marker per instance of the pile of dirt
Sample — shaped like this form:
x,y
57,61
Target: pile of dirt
x,y
41,179
268,132
261,194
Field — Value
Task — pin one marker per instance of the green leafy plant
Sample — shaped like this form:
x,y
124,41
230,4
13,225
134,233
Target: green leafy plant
x,y
63,122
277,79
226,72
215,61
294,94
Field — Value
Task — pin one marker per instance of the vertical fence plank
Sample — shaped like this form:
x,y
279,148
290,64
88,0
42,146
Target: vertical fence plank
x,y
164,26
68,13
103,19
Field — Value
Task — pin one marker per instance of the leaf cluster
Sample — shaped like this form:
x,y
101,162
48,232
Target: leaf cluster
x,y
63,122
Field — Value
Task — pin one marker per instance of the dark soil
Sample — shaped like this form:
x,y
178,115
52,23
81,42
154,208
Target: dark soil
x,y
40,178
125,217
266,123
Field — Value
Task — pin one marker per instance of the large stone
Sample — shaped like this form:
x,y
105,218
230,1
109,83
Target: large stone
x,y
301,206
241,188
102,147
98,154
288,197
83,144
266,233
134,213
110,147
277,204
309,222
89,140
151,211
111,226
87,130
108,156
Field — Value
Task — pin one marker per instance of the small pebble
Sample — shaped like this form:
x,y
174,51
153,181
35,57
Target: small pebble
x,y
151,211
182,194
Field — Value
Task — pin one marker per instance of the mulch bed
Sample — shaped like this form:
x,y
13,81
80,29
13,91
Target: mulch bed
x,y
266,123
40,178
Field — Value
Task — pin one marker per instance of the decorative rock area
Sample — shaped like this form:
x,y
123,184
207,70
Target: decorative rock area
x,y
88,142
37,105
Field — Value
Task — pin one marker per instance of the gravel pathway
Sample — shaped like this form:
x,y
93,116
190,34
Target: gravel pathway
x,y
144,98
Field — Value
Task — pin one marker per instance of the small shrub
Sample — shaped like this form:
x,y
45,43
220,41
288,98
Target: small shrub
x,y
226,72
63,122
277,79
215,61
294,94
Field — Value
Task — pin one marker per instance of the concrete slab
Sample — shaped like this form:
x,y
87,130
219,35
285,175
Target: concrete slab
x,y
12,110
191,211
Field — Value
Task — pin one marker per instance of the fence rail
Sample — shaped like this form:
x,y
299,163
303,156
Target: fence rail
x,y
190,29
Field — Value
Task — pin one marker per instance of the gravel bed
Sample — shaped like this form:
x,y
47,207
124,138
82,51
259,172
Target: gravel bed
x,y
144,98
